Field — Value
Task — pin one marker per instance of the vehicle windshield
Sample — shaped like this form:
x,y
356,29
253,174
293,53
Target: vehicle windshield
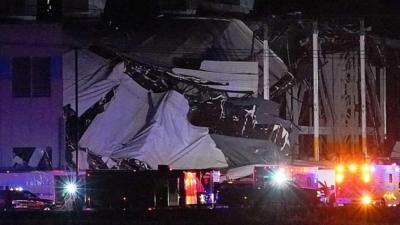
x,y
28,195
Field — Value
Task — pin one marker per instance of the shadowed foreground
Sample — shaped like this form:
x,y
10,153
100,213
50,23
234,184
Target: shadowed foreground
x,y
295,216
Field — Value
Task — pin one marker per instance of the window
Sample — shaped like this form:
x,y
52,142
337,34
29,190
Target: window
x,y
21,79
390,178
29,195
31,77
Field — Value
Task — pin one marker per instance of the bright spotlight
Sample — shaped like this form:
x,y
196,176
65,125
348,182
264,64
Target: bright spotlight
x,y
279,177
71,188
366,200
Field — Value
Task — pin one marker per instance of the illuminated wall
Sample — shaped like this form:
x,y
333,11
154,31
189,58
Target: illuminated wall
x,y
31,116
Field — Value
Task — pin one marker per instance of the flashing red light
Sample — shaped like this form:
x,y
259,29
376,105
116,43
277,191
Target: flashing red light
x,y
366,200
339,178
365,168
340,168
353,168
190,188
366,178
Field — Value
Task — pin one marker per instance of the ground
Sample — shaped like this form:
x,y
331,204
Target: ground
x,y
259,216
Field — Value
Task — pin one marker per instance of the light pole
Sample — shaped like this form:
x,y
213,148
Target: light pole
x,y
77,115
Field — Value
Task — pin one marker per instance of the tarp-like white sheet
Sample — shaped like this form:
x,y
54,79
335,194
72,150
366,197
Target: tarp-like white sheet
x,y
96,77
230,67
170,139
241,151
124,116
240,172
236,82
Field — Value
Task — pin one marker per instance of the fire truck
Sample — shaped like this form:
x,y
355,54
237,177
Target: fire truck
x,y
127,189
367,184
262,185
386,183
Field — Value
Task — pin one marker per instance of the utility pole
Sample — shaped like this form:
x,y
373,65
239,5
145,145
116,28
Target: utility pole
x,y
316,96
77,115
266,62
382,95
363,91
384,104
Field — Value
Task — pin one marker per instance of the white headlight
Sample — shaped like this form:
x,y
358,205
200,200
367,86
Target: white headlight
x,y
71,188
279,177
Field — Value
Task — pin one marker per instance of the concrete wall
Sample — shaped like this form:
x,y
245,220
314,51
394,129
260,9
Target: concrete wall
x,y
30,121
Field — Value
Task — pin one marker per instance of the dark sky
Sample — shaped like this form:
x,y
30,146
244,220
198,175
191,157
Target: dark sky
x,y
326,8
309,8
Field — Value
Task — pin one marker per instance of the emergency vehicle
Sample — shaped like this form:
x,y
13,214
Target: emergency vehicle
x,y
354,184
386,183
127,189
367,184
257,185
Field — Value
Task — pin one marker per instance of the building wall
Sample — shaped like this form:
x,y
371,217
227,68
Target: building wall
x,y
30,121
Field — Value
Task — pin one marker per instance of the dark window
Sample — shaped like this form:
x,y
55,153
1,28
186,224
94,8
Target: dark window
x,y
21,78
31,77
41,77
29,195
16,195
390,178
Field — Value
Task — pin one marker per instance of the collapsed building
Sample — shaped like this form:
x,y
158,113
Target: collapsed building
x,y
215,66
183,94
339,88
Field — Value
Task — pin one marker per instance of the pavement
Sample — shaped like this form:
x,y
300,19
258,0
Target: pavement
x,y
220,216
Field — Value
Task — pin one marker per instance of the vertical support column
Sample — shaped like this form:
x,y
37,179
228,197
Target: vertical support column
x,y
266,63
382,95
316,96
77,115
363,91
384,103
